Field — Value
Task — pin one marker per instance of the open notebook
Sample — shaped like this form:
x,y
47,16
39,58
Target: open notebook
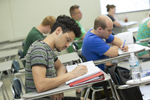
x,y
132,48
93,72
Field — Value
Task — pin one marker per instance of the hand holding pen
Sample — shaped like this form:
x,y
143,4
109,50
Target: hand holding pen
x,y
124,47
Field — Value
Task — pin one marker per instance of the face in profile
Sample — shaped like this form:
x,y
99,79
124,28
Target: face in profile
x,y
107,31
113,10
63,40
78,14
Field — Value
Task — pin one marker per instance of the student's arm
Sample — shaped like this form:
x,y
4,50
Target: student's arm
x,y
116,23
119,43
60,68
112,52
42,83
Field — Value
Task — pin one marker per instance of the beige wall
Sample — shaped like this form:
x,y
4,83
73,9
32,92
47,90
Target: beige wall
x,y
19,16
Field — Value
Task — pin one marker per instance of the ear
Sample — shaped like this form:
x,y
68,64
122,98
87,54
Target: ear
x,y
99,29
58,30
48,26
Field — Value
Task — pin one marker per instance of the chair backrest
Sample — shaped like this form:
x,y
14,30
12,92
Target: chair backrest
x,y
20,53
15,66
16,88
126,35
75,46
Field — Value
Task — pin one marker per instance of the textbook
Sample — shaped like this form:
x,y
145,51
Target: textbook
x,y
132,48
93,72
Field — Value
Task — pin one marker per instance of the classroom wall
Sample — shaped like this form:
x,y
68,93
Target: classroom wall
x,y
19,16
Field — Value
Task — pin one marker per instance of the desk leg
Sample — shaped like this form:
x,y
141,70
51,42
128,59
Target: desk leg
x,y
6,90
87,93
3,93
112,89
9,74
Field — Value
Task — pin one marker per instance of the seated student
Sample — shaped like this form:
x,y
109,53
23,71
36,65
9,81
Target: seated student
x,y
37,32
76,14
95,45
43,70
111,9
144,32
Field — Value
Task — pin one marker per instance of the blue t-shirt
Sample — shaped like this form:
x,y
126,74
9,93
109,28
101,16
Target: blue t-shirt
x,y
94,47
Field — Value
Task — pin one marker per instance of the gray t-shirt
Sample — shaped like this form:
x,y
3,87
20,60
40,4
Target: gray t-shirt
x,y
39,53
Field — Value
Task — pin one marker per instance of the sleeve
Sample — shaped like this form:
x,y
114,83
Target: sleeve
x,y
98,46
39,56
110,38
55,57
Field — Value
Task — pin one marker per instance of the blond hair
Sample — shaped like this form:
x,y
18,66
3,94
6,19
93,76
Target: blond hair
x,y
49,20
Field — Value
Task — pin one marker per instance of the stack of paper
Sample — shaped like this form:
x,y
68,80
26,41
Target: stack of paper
x,y
93,74
132,48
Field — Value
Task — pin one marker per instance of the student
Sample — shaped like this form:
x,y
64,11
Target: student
x,y
144,32
37,32
76,14
95,45
111,9
43,70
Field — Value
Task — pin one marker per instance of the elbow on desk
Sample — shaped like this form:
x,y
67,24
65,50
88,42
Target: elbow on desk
x,y
40,89
113,54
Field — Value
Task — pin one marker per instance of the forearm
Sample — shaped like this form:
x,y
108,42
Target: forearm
x,y
59,68
50,83
117,42
62,70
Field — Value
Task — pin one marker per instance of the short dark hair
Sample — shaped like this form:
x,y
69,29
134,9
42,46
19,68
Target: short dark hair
x,y
99,22
67,24
72,8
110,6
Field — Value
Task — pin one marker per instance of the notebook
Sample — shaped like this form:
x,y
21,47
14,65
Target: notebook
x,y
96,77
132,48
92,69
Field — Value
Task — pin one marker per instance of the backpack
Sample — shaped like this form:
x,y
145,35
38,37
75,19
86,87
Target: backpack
x,y
119,76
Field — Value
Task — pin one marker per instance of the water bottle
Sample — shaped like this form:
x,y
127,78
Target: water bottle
x,y
134,67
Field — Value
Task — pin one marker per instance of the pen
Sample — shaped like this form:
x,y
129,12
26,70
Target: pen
x,y
124,43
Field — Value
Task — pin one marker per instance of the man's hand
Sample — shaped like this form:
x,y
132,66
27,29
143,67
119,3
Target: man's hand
x,y
79,71
58,96
125,48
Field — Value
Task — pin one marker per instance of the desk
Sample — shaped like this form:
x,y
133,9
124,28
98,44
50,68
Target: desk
x,y
125,24
63,88
8,53
11,45
133,30
66,58
6,66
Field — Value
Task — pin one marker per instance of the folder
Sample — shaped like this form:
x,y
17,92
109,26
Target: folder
x,y
96,77
93,74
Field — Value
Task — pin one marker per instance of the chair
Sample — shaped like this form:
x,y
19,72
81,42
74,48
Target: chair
x,y
76,49
126,35
23,43
20,53
83,59
16,89
16,70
